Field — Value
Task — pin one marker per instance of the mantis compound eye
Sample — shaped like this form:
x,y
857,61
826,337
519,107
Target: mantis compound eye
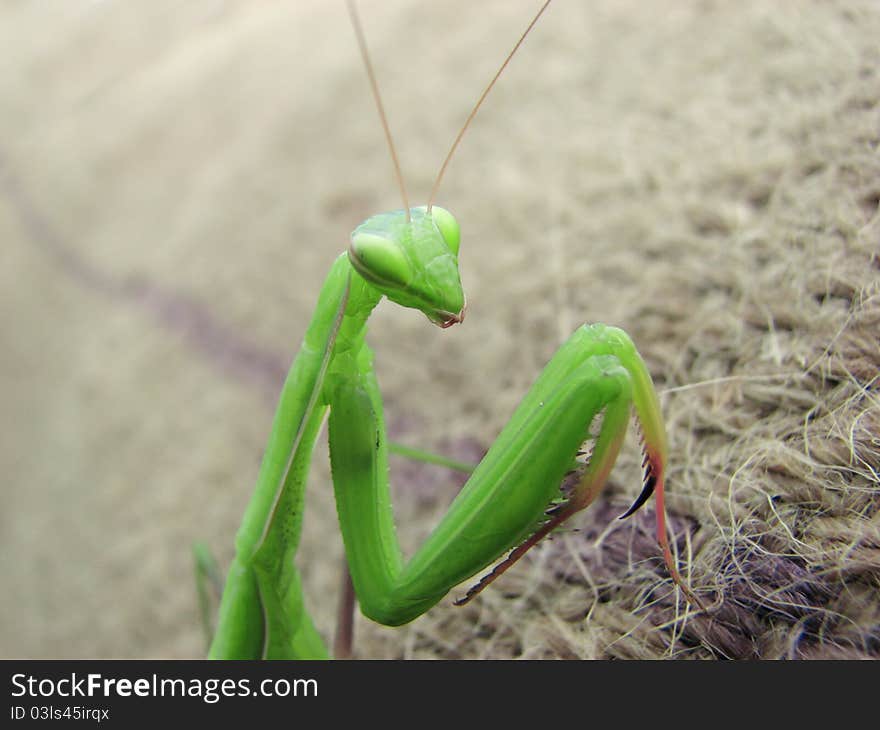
x,y
379,260
448,227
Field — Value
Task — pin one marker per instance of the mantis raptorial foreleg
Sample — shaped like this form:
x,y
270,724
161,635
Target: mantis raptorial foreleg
x,y
505,500
512,498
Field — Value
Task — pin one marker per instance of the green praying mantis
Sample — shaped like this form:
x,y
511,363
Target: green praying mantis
x,y
511,500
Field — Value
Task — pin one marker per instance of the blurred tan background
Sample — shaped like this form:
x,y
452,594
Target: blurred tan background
x,y
176,178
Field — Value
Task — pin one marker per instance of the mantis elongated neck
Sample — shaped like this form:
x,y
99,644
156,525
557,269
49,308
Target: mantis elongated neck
x,y
350,339
329,353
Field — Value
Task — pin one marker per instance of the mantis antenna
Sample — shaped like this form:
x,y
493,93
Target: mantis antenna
x,y
479,104
362,44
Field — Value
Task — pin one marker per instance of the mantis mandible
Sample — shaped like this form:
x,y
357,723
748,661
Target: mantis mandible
x,y
511,500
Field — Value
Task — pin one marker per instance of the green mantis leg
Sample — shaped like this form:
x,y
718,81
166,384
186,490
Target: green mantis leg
x,y
209,586
504,502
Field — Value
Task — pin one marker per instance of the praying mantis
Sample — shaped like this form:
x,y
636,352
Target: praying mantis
x,y
511,500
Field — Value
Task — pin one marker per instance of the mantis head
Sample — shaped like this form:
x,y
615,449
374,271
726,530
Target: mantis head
x,y
413,260
411,255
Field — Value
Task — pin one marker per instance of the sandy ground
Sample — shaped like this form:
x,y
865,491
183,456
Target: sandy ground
x,y
176,178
